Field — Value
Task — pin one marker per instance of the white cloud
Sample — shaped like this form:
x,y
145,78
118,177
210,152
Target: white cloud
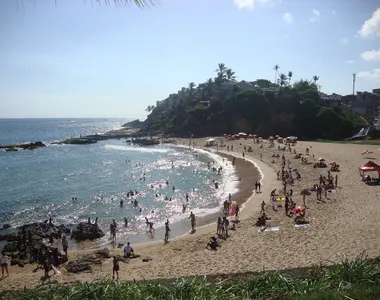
x,y
371,55
350,62
374,75
344,41
371,27
334,12
288,18
315,14
250,4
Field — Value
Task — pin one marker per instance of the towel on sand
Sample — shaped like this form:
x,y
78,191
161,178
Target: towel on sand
x,y
270,229
301,225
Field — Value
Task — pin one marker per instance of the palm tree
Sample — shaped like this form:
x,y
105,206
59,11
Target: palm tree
x,y
275,68
315,79
209,86
230,75
149,108
221,71
191,89
290,75
283,79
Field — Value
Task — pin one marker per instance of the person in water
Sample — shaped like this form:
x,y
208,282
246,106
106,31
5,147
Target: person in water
x,y
125,222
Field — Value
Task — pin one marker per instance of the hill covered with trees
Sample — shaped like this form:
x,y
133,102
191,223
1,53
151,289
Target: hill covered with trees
x,y
222,105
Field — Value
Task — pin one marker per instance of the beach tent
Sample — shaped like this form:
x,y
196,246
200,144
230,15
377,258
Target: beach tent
x,y
369,166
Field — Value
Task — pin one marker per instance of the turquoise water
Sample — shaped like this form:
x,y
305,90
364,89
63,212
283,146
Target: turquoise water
x,y
41,183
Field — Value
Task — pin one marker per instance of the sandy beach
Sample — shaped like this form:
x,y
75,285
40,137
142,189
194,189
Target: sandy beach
x,y
346,222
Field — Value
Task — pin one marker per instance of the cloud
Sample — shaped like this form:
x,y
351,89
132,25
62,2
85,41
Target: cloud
x,y
249,4
350,62
288,18
315,14
374,75
344,41
371,55
371,27
334,12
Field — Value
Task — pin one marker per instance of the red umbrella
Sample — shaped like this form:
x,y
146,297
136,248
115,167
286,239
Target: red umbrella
x,y
321,159
298,210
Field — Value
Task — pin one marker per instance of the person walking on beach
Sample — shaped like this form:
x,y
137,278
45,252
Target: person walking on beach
x,y
262,206
192,220
115,268
237,210
167,230
259,186
4,261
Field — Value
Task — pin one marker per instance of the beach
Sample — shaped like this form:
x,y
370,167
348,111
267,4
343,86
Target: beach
x,y
346,222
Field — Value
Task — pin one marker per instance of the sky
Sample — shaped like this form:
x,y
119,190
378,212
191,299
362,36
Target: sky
x,y
72,58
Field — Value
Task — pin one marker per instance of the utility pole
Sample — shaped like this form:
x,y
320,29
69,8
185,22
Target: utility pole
x,y
353,83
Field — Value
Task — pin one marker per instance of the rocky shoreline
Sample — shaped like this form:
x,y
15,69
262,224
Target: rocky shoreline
x,y
27,146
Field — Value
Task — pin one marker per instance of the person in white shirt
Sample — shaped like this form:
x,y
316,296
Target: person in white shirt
x,y
128,251
5,259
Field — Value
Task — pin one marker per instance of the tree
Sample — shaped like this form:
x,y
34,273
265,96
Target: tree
x,y
283,79
209,87
191,90
315,79
275,68
290,75
230,75
149,108
221,71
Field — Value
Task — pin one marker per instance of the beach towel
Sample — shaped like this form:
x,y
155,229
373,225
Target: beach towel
x,y
270,229
301,225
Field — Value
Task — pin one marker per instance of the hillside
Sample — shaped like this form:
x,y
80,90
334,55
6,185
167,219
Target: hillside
x,y
226,107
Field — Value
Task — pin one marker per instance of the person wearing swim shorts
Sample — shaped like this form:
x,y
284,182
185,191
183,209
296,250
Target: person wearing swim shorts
x,y
4,261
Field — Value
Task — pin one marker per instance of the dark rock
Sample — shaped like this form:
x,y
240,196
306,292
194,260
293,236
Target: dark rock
x,y
9,237
103,253
84,263
147,259
28,146
21,264
85,231
79,266
6,226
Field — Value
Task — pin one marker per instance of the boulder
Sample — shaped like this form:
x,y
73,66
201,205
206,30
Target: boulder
x,y
85,231
103,253
78,266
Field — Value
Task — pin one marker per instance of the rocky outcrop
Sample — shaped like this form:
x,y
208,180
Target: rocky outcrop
x,y
29,146
86,231
26,245
84,263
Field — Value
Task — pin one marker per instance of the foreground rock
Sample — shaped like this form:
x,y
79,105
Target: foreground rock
x,y
27,245
83,264
86,231
29,146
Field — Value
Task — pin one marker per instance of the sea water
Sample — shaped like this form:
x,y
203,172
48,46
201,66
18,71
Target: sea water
x,y
39,184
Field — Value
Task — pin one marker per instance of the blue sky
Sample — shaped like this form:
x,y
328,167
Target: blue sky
x,y
79,59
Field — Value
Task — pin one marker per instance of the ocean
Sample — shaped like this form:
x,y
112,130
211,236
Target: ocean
x,y
39,184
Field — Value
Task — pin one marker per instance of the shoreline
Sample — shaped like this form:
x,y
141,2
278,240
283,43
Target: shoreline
x,y
205,224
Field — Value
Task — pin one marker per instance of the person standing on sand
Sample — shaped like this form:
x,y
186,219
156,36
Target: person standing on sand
x,y
192,220
167,230
65,244
336,180
226,223
4,261
115,268
259,186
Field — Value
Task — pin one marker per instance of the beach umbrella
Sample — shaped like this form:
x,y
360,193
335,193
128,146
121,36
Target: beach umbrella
x,y
321,159
298,210
280,199
332,163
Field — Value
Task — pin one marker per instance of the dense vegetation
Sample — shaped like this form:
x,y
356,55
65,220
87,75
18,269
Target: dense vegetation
x,y
350,279
225,106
